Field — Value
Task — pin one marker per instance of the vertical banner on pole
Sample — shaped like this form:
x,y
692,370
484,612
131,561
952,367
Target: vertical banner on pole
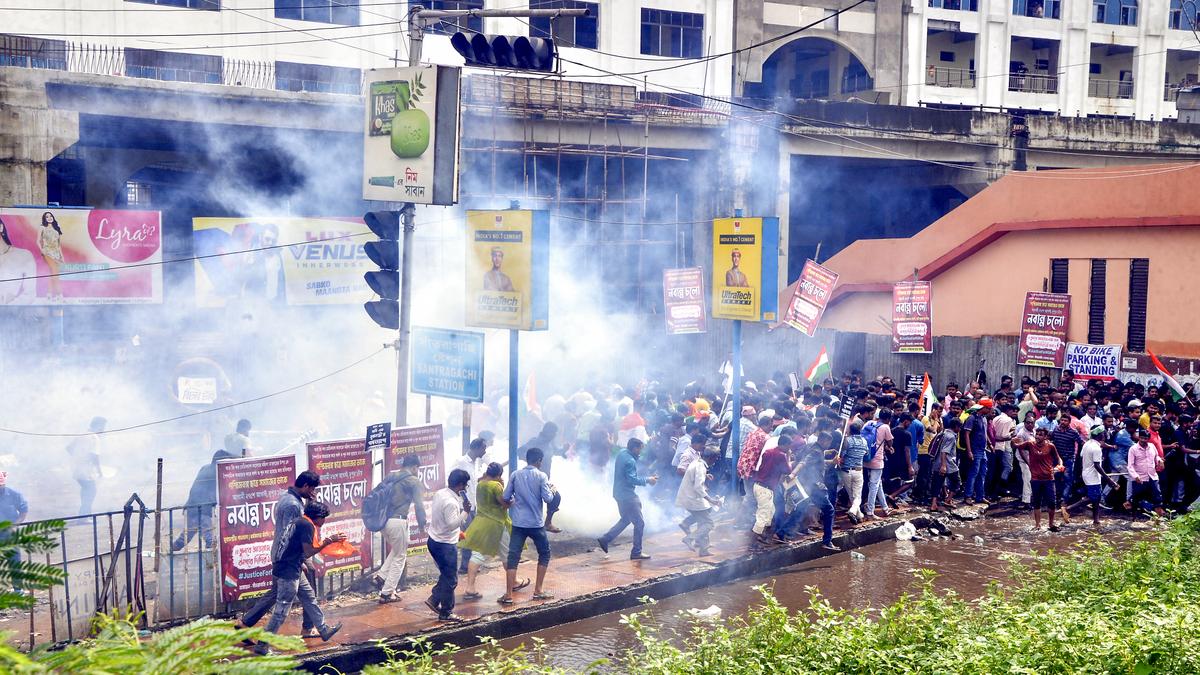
x,y
247,490
427,443
508,269
912,318
683,300
1044,330
345,479
812,294
745,268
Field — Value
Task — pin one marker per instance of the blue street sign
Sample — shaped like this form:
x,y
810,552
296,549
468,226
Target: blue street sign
x,y
447,363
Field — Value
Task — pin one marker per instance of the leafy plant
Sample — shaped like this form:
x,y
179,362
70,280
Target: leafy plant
x,y
17,572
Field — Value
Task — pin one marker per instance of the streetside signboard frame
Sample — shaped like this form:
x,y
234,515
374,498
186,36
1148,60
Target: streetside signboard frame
x,y
447,363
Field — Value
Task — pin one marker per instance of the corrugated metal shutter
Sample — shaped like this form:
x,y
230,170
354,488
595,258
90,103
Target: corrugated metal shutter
x,y
1139,284
1096,302
1058,275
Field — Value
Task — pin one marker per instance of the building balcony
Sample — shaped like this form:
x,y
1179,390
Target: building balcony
x,y
854,82
1110,89
937,76
1033,84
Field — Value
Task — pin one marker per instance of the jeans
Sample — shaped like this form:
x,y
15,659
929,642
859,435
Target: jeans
x,y
631,514
875,491
288,590
445,556
785,523
1146,495
1065,480
552,506
516,544
395,533
14,559
924,475
87,495
703,522
267,602
977,478
199,520
820,499
852,481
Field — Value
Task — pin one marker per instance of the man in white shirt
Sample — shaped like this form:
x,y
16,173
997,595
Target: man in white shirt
x,y
693,496
446,519
1090,459
474,463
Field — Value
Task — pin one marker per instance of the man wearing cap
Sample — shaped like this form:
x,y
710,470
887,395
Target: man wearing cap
x,y
13,509
1091,458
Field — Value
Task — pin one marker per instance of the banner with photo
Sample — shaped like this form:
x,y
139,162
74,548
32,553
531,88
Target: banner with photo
x,y
427,442
745,267
345,472
280,261
912,318
51,256
508,269
247,490
1044,330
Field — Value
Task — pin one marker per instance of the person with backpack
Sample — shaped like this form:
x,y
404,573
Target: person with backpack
x,y
878,435
386,509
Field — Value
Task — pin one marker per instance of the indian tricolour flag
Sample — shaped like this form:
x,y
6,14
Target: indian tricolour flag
x,y
1176,389
928,398
819,370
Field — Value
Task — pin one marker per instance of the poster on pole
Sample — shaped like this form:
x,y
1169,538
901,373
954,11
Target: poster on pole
x,y
1093,362
745,268
447,363
508,269
812,294
345,472
912,318
53,256
1044,330
410,139
247,490
427,442
683,300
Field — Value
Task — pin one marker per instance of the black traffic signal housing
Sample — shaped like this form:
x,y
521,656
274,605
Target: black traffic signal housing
x,y
510,52
384,282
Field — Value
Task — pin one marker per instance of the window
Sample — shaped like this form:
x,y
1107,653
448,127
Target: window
x,y
311,77
571,31
964,5
1038,9
1139,282
947,57
189,4
667,33
1096,301
341,12
1115,12
29,52
172,66
468,24
1059,268
1094,69
1180,20
137,194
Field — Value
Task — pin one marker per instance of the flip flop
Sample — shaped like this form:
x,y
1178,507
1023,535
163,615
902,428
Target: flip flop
x,y
472,596
543,596
505,600
524,583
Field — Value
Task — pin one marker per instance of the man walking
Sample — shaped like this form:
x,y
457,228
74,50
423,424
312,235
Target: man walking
x,y
1044,463
407,492
694,498
85,463
527,493
625,479
289,584
448,515
199,506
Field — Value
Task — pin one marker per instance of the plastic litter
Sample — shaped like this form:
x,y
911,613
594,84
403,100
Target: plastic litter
x,y
855,555
710,613
978,540
906,532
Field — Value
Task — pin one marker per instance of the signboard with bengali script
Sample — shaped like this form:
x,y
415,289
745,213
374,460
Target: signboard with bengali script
x,y
1044,330
247,490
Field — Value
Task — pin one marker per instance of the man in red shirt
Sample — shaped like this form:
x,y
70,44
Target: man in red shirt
x,y
747,462
772,467
1044,461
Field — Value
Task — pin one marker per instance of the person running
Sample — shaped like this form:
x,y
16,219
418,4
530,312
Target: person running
x,y
527,493
1092,459
487,535
407,493
629,506
199,505
772,467
1044,463
448,513
850,462
694,498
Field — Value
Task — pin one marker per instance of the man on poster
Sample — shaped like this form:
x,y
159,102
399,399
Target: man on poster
x,y
734,276
494,279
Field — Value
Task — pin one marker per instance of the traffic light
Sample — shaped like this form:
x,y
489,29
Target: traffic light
x,y
384,282
506,51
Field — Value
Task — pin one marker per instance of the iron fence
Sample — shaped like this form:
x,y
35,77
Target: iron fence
x,y
1036,84
938,76
1110,88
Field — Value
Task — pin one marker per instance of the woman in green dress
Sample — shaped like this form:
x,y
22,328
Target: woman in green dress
x,y
487,536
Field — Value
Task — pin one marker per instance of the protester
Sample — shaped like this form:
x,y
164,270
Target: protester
x,y
13,511
474,463
1068,442
629,506
933,429
199,505
85,463
850,461
1143,464
975,438
448,514
693,497
488,534
773,465
943,458
1044,464
526,494
1092,458
238,442
1023,435
407,493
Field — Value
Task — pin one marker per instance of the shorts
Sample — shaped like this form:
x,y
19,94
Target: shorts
x,y
1042,493
1094,493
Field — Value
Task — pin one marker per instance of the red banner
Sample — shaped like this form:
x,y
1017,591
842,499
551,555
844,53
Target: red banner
x,y
79,257
247,490
345,472
1044,330
683,300
426,442
810,298
912,318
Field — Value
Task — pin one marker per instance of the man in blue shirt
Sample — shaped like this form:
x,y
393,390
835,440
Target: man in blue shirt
x,y
625,479
527,491
13,509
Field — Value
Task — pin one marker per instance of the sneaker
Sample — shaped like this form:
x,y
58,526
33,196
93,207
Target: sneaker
x,y
1055,528
703,552
263,649
451,618
328,632
830,546
603,545
639,556
385,598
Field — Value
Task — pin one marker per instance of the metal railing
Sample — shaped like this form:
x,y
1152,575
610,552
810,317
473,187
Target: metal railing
x,y
937,76
1033,83
1171,91
853,82
1110,88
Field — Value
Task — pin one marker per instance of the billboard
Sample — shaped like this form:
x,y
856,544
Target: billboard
x,y
427,443
410,136
912,317
247,490
281,261
683,300
813,290
508,269
80,257
1093,362
1044,330
345,472
745,268
447,363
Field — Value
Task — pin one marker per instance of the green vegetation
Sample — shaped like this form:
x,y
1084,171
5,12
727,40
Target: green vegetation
x,y
1094,609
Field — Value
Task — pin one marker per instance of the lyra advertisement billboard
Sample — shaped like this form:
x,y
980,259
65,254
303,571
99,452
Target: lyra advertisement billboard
x,y
1044,330
426,442
345,479
282,261
410,143
80,257
912,318
508,269
745,268
247,490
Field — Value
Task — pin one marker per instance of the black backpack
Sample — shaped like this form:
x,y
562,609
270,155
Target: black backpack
x,y
377,504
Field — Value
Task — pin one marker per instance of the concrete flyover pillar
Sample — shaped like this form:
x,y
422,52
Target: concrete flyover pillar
x,y
31,134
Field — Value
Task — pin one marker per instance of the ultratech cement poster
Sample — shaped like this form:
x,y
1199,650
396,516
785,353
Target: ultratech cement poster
x,y
280,261
812,294
912,318
745,265
508,275
427,443
345,472
1044,330
247,490
80,257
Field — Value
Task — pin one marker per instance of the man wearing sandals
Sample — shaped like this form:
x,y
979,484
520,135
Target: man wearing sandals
x,y
447,515
527,492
